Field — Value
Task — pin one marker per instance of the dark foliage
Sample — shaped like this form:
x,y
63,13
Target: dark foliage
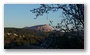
x,y
66,41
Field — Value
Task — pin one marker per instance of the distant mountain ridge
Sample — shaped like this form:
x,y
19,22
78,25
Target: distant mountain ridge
x,y
43,28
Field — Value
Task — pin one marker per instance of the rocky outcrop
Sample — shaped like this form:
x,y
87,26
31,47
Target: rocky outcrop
x,y
44,28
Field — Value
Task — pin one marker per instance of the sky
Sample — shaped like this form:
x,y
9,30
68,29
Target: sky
x,y
19,16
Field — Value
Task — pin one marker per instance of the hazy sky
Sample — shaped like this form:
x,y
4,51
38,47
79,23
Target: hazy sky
x,y
19,15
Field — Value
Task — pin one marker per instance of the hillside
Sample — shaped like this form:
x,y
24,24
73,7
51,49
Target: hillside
x,y
15,37
21,38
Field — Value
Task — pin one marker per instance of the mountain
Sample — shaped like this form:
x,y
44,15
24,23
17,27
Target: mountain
x,y
43,28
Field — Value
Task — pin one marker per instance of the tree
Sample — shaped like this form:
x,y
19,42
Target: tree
x,y
73,14
72,24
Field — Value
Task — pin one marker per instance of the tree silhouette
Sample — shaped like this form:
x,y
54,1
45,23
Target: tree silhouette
x,y
72,24
73,14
